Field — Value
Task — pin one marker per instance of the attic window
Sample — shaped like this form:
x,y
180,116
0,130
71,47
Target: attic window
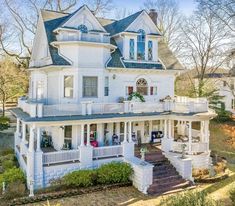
x,y
83,28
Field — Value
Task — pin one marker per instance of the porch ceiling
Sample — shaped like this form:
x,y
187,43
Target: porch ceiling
x,y
101,118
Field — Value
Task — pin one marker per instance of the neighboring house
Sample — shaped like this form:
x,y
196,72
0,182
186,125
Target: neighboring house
x,y
81,69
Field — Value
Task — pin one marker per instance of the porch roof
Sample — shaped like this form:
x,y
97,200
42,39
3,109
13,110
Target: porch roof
x,y
26,118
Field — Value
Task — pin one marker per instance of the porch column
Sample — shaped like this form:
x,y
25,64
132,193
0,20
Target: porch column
x,y
31,139
18,126
82,135
161,125
88,135
130,132
169,129
23,132
190,138
165,128
173,129
125,132
30,156
38,139
207,133
202,128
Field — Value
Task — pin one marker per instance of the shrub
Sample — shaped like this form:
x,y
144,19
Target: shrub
x,y
114,172
189,199
12,175
220,167
6,152
232,195
81,178
8,164
4,123
199,173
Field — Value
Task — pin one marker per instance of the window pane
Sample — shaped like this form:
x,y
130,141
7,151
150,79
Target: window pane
x,y
132,49
40,89
142,86
106,86
129,90
141,45
90,86
153,90
68,86
150,50
68,132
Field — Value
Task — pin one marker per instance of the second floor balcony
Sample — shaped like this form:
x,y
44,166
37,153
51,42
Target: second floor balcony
x,y
177,105
85,37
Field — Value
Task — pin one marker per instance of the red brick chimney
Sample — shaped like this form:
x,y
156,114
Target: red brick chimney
x,y
153,15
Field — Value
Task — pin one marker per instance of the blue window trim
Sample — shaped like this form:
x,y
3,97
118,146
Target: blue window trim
x,y
132,49
150,50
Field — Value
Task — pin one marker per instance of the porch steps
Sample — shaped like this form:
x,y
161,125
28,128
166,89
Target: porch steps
x,y
165,177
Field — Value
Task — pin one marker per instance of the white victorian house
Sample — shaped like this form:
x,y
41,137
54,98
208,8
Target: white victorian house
x,y
77,114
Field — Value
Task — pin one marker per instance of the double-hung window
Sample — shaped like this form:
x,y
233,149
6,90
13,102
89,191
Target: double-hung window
x,y
90,86
40,90
68,86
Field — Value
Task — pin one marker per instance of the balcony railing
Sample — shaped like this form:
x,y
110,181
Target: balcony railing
x,y
87,108
86,37
195,147
60,157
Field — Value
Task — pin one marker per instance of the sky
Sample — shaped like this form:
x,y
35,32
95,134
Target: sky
x,y
186,6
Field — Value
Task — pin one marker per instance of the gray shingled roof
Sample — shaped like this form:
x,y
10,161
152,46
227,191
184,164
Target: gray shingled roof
x,y
25,117
112,27
121,25
49,27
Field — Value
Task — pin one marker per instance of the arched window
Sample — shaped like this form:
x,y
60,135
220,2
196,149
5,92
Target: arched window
x,y
141,45
83,28
142,86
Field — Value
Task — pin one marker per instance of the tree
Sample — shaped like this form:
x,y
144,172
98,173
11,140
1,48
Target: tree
x,y
168,20
18,30
224,10
205,45
13,82
100,7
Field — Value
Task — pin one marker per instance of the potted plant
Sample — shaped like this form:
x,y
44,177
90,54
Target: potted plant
x,y
136,96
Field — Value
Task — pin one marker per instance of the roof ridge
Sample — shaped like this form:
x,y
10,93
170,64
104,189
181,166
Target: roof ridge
x,y
60,12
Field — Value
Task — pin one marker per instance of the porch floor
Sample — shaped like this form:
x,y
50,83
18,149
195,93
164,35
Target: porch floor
x,y
165,177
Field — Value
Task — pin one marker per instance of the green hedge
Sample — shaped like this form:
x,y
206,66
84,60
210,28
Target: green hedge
x,y
81,178
114,172
232,195
12,175
111,173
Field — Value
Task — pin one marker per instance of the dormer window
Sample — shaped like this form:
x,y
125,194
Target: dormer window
x,y
141,45
83,28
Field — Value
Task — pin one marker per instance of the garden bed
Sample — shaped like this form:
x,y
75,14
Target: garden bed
x,y
211,179
66,193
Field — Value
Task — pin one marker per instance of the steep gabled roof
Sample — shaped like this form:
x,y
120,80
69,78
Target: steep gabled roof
x,y
49,27
121,25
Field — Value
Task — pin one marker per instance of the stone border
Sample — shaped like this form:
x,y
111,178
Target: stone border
x,y
212,179
65,193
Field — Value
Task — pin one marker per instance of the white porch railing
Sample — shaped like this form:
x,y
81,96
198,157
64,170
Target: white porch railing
x,y
139,107
62,109
107,151
41,110
101,108
195,147
60,157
